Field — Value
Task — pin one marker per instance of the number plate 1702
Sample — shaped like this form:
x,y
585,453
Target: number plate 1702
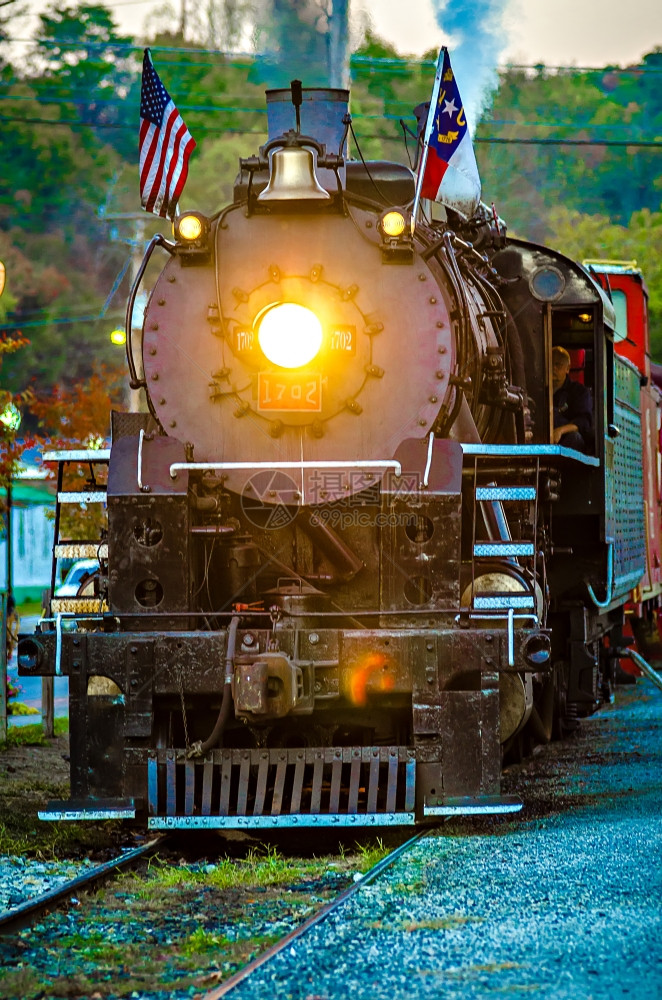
x,y
289,393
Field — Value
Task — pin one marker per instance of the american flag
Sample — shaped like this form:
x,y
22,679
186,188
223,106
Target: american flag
x,y
165,146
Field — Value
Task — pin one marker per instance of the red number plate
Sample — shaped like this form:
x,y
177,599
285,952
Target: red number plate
x,y
289,393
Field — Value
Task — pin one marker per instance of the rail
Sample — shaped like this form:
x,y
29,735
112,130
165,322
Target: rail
x,y
316,918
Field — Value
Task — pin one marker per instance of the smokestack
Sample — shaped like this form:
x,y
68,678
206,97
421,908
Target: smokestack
x,y
308,39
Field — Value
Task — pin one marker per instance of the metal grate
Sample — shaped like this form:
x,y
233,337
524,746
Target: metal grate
x,y
306,787
628,511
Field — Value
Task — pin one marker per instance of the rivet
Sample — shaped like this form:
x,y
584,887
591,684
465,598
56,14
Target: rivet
x,y
422,423
433,301
161,302
442,349
171,278
162,401
155,376
155,326
433,399
272,493
422,277
440,375
173,423
368,224
313,638
440,325
152,351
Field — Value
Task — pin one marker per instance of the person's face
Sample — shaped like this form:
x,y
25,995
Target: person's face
x,y
560,368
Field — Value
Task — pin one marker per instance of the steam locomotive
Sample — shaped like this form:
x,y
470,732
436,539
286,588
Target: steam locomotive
x,y
346,571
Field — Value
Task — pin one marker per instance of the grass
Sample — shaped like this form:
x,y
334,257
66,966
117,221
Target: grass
x,y
28,608
261,867
371,854
25,789
32,736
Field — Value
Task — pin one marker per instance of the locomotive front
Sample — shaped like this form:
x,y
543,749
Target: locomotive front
x,y
289,550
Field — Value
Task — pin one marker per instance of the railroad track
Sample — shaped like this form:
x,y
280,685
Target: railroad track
x,y
243,974
22,916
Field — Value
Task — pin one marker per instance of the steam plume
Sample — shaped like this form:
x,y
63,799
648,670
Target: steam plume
x,y
478,37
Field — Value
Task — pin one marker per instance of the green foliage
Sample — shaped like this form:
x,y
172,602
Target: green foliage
x,y
69,187
580,236
32,736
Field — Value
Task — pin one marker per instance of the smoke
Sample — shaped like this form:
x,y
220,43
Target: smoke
x,y
303,39
478,36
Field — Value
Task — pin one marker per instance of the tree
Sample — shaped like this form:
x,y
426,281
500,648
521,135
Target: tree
x,y
79,417
89,69
11,448
581,236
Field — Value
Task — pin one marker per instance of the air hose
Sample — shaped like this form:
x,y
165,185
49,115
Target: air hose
x,y
198,749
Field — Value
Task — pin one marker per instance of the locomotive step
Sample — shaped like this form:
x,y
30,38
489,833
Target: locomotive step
x,y
500,549
82,496
490,602
77,605
505,493
96,455
81,550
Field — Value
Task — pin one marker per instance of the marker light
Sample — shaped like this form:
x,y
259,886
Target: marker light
x,y
189,227
118,337
191,230
393,224
290,335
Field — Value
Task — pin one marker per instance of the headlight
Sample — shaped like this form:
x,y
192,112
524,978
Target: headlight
x,y
393,224
289,334
190,227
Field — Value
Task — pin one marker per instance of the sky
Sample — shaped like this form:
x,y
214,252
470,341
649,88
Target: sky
x,y
556,32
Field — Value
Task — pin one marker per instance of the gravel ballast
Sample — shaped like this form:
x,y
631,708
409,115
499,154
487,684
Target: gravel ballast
x,y
563,903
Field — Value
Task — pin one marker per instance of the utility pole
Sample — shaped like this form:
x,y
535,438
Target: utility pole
x,y
134,335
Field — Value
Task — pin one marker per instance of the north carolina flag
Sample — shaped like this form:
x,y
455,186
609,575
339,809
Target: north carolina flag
x,y
165,146
448,172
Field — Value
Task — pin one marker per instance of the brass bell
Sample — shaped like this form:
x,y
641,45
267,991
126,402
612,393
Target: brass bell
x,y
292,177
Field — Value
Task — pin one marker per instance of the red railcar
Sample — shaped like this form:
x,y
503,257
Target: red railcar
x,y
624,282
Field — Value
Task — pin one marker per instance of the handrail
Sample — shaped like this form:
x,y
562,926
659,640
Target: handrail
x,y
390,463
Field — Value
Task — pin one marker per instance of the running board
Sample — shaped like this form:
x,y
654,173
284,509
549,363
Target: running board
x,y
92,809
483,805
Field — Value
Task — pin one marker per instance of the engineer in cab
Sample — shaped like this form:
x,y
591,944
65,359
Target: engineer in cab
x,y
573,407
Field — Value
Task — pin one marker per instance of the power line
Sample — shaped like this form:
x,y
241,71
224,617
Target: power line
x,y
62,321
387,63
221,130
106,102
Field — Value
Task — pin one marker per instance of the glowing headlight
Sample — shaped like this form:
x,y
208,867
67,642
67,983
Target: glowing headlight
x,y
290,335
189,227
393,224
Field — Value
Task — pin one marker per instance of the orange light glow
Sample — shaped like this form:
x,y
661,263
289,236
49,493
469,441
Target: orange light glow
x,y
372,671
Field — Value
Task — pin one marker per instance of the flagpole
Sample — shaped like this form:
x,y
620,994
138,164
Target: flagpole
x,y
432,110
